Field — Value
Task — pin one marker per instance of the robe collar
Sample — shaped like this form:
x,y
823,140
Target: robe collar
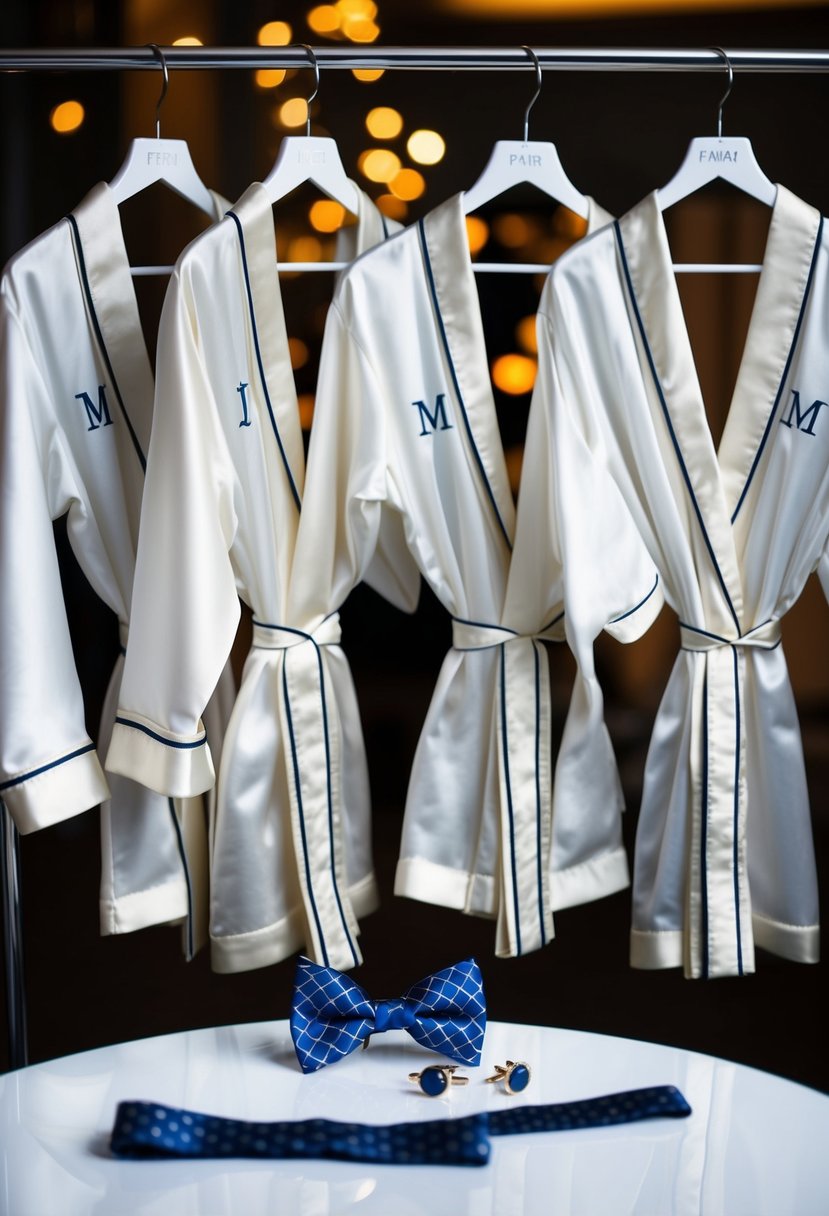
x,y
716,481
450,270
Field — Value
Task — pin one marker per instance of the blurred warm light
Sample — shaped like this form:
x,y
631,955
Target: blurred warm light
x,y
514,374
408,184
298,350
304,249
326,215
294,112
188,40
568,224
526,335
477,233
360,30
67,117
366,9
511,230
367,74
379,164
384,123
394,208
274,33
305,401
324,19
269,78
514,457
425,147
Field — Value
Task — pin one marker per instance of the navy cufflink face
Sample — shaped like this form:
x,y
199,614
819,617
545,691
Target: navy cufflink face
x,y
435,1079
515,1075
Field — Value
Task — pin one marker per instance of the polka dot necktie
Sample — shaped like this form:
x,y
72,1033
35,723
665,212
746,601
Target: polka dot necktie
x,y
148,1129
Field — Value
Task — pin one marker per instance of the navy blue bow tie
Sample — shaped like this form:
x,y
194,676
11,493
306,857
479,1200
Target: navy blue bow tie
x,y
147,1129
331,1015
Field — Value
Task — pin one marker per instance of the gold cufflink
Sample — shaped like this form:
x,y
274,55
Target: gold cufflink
x,y
516,1076
435,1079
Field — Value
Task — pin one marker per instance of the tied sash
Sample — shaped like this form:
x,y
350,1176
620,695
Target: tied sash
x,y
312,743
719,938
522,715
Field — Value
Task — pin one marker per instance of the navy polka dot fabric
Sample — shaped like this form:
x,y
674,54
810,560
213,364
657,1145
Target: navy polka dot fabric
x,y
148,1129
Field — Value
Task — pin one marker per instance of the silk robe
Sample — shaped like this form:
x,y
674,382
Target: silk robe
x,y
724,853
290,850
77,402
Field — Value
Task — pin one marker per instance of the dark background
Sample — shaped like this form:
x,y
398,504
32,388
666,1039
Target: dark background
x,y
619,135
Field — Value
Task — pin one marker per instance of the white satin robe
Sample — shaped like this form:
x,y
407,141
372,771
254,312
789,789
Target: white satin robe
x,y
70,327
405,427
290,850
724,853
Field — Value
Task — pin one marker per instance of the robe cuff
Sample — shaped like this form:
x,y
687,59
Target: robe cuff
x,y
273,943
56,790
654,949
638,619
179,766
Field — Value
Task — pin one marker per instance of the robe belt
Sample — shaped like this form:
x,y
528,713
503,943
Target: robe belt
x,y
310,729
522,715
282,637
719,937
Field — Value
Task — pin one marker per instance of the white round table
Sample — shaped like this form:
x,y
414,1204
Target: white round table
x,y
755,1145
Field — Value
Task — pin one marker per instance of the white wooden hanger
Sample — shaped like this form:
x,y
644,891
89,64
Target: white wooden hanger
x,y
711,156
311,158
165,160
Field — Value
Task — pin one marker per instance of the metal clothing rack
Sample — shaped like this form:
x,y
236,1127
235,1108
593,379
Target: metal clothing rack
x,y
487,59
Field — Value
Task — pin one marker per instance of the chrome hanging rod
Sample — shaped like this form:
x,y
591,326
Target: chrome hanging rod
x,y
581,59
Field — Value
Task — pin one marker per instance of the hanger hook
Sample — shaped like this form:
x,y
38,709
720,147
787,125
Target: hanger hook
x,y
159,52
314,63
719,51
535,96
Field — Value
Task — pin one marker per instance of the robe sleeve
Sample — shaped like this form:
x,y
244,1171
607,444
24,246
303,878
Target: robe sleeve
x,y
49,769
348,530
610,581
185,606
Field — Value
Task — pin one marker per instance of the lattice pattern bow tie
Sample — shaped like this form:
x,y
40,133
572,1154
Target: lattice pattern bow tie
x,y
331,1015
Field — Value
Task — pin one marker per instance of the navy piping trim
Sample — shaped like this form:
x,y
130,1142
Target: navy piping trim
x,y
703,872
672,433
554,621
290,629
183,855
736,858
160,738
44,768
99,335
505,751
784,377
433,289
232,215
295,762
385,227
334,882
538,809
635,607
706,633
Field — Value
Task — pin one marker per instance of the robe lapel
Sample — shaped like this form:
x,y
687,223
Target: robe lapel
x,y
455,298
111,298
271,355
677,404
772,334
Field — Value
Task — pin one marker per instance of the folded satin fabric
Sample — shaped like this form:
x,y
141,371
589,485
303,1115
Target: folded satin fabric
x,y
150,1130
331,1015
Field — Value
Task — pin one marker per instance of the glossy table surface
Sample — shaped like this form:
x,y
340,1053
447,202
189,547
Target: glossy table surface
x,y
754,1145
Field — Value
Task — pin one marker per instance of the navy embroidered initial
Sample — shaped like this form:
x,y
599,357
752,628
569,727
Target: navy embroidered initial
x,y
98,415
432,419
241,391
806,420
